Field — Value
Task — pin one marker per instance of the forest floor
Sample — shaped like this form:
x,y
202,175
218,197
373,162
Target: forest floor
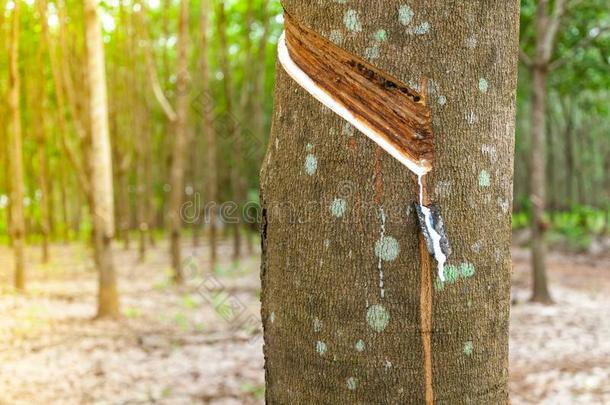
x,y
201,343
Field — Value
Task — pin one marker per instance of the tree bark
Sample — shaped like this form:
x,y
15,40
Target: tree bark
x,y
337,218
210,134
101,165
15,158
178,155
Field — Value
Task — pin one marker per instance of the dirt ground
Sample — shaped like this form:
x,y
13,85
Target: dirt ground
x,y
201,343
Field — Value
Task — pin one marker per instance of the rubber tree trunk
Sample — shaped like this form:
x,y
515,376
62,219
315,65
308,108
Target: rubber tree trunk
x,y
207,117
337,217
15,158
538,185
178,164
233,133
101,165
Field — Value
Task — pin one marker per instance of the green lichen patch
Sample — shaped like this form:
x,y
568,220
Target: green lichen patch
x,y
352,21
311,164
377,318
468,348
467,270
484,178
338,207
387,248
360,346
405,14
321,348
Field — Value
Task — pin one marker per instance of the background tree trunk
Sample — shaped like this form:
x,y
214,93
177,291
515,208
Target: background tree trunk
x,y
547,25
15,157
232,131
101,165
210,134
178,156
337,216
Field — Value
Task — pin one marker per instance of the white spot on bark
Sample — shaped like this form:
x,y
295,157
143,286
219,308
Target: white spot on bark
x,y
372,52
321,348
484,178
336,37
471,42
272,317
348,129
442,100
405,15
377,318
490,152
422,29
471,118
360,346
387,248
338,207
352,21
468,348
352,383
311,164
483,85
476,247
317,325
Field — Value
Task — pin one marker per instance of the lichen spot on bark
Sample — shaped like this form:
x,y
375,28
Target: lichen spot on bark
x,y
372,52
360,346
338,207
467,270
387,248
381,35
272,317
405,15
352,21
442,100
377,318
451,274
468,348
317,325
483,85
422,29
352,384
321,348
336,37
348,130
311,164
484,178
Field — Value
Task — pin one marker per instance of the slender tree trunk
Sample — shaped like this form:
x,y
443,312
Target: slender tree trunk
x,y
232,130
210,134
101,165
547,24
180,140
538,186
336,218
43,170
15,158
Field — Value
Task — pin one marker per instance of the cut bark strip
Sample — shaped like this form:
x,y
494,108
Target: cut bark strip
x,y
393,115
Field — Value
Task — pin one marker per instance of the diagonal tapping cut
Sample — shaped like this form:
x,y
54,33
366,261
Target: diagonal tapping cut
x,y
386,110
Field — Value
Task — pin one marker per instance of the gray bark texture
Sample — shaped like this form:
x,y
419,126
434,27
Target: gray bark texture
x,y
341,267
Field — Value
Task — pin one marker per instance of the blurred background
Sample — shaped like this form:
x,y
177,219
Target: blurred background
x,y
189,88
